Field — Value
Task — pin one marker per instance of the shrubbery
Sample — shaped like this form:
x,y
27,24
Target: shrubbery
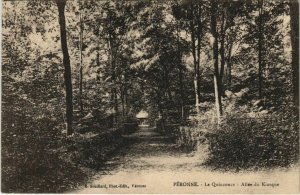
x,y
38,158
186,137
242,141
248,137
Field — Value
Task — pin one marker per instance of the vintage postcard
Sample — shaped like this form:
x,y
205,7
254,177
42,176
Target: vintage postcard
x,y
150,97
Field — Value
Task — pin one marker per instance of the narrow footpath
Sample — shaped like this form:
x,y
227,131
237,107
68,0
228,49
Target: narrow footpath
x,y
152,163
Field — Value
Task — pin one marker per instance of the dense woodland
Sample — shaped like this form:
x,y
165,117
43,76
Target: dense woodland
x,y
223,74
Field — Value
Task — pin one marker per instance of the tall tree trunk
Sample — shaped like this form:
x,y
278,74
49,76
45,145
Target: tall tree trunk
x,y
122,90
222,53
125,94
180,74
123,103
199,39
167,88
218,102
98,48
116,104
294,14
193,36
260,48
112,72
228,67
66,61
81,65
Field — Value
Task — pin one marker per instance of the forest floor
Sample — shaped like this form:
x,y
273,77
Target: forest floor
x,y
151,163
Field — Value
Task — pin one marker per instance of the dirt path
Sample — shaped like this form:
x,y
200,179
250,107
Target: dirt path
x,y
151,163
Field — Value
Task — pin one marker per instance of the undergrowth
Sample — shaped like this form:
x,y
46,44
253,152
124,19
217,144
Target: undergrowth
x,y
247,138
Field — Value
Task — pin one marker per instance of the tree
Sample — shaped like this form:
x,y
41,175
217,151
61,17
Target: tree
x,y
215,43
81,62
294,15
222,44
230,36
192,15
196,36
180,67
260,47
66,61
196,28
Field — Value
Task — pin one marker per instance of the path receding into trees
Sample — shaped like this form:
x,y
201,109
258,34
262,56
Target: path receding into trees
x,y
151,163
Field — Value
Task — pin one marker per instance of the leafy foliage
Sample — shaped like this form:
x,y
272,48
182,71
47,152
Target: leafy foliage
x,y
132,55
244,142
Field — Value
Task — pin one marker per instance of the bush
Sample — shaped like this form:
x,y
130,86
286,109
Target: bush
x,y
189,137
265,141
36,157
37,168
246,138
91,149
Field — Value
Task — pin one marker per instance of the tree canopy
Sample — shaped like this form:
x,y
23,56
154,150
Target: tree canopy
x,y
184,62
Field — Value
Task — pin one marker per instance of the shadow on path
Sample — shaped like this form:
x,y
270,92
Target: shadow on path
x,y
142,150
149,162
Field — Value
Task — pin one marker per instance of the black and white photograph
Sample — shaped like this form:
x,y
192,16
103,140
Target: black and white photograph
x,y
150,96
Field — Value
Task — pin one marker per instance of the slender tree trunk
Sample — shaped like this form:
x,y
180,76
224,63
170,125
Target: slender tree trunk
x,y
168,88
294,14
98,49
125,94
181,92
66,61
116,104
81,65
199,38
260,48
180,74
218,101
122,90
228,61
166,82
123,105
112,72
222,53
193,36
114,76
162,119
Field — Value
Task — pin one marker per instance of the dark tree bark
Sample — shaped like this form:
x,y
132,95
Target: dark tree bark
x,y
228,67
180,73
124,95
222,52
81,65
199,39
294,14
167,82
66,61
98,50
215,44
260,49
112,57
194,53
123,103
